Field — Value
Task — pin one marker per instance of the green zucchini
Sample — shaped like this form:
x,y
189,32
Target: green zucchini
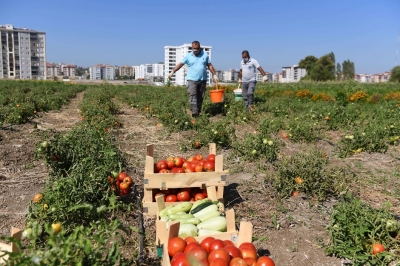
x,y
176,216
181,207
198,202
200,207
194,221
204,212
163,212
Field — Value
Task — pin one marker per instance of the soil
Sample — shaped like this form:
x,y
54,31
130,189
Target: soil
x,y
291,231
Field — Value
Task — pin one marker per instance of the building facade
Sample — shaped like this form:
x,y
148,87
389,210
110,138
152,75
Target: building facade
x,y
292,74
174,55
230,75
23,53
102,72
158,70
128,71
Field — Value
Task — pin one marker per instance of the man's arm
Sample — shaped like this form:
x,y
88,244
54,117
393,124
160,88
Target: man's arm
x,y
211,68
261,70
240,74
177,67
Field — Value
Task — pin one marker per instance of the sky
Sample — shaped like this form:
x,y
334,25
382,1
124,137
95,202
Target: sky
x,y
276,33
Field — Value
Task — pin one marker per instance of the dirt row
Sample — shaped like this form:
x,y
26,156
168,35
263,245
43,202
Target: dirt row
x,y
291,231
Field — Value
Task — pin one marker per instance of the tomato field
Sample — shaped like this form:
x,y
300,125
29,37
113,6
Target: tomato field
x,y
315,168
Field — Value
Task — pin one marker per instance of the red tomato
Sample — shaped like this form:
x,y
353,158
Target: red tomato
x,y
190,239
164,171
198,253
191,159
170,164
211,157
121,176
190,245
378,247
206,243
128,180
171,198
248,253
233,251
159,194
180,259
209,166
202,162
124,185
198,168
173,170
228,243
202,262
189,168
219,254
216,244
178,161
218,262
185,165
265,261
198,157
162,165
176,245
247,245
237,262
250,261
180,170
183,196
199,196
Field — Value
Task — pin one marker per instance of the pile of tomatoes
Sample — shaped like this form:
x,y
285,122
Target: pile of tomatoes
x,y
196,163
214,252
182,194
121,183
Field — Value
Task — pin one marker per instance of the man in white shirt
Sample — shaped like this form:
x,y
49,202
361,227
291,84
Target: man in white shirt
x,y
247,77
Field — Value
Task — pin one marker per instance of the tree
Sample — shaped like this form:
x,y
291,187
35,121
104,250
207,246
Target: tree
x,y
338,71
348,70
332,56
323,69
307,63
395,77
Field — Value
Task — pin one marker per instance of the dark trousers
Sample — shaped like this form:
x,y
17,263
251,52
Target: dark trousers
x,y
248,92
196,92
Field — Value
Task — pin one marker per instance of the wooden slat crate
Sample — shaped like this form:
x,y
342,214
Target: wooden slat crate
x,y
183,180
244,234
152,207
16,234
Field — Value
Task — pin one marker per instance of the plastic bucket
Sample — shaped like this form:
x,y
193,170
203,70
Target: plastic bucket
x,y
238,94
217,96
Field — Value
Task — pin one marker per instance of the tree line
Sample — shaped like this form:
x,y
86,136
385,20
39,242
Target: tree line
x,y
325,68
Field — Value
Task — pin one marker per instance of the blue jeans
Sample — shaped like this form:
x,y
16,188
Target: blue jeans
x,y
248,92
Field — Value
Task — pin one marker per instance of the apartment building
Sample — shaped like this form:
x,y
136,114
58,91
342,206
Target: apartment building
x,y
173,55
270,76
381,77
68,70
128,71
292,74
52,70
158,70
143,71
23,53
100,71
230,75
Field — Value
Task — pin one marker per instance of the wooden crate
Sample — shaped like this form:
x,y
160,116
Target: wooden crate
x,y
244,234
183,180
152,207
16,234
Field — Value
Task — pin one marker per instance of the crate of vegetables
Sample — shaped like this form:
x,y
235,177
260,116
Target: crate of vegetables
x,y
211,250
173,196
178,172
198,219
13,247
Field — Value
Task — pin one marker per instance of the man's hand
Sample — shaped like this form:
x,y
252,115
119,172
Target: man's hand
x,y
215,79
170,75
240,81
265,78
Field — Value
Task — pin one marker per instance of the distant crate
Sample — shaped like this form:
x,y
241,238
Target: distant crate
x,y
16,234
183,180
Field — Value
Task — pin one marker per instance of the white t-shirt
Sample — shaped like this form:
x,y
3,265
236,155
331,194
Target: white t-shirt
x,y
249,70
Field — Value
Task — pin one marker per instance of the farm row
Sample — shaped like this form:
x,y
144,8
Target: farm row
x,y
79,197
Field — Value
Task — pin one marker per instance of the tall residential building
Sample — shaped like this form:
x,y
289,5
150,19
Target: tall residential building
x,y
68,70
23,53
102,72
143,71
230,75
52,70
126,71
158,70
292,74
174,55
